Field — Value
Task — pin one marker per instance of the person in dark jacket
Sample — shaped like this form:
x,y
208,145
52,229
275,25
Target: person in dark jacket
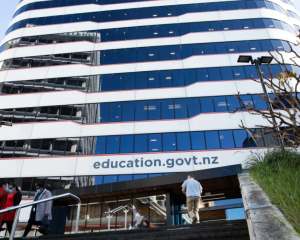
x,y
14,198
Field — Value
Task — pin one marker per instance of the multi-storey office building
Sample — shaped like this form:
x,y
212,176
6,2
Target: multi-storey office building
x,y
117,100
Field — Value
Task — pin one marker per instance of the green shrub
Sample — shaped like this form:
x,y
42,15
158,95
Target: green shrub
x,y
277,171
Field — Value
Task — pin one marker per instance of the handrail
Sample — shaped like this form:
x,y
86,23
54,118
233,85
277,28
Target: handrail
x,y
19,207
110,213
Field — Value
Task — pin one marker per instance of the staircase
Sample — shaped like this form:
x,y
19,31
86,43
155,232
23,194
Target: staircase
x,y
221,230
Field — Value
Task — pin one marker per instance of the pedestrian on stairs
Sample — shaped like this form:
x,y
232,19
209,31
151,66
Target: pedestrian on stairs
x,y
192,189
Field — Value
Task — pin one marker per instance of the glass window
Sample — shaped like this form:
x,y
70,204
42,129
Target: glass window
x,y
240,138
187,51
251,71
140,143
266,45
183,141
198,49
220,104
258,23
141,110
106,82
126,144
232,47
238,73
129,81
110,179
166,78
169,142
247,100
139,176
194,27
226,25
207,104
202,74
125,178
142,55
167,109
232,103
221,47
100,145
180,108
128,111
119,56
113,144
241,5
226,139
231,5
211,7
214,74
247,23
184,28
277,44
162,31
255,46
132,33
178,78
212,140
243,46
190,76
104,109
237,24
141,80
226,73
164,53
142,32
198,141
115,112
205,26
152,53
175,52
153,79
193,106
209,48
154,112
259,103
117,82
155,144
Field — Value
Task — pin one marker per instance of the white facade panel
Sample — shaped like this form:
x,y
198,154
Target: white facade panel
x,y
11,168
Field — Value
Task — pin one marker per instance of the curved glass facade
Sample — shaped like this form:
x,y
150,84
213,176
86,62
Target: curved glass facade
x,y
143,13
147,32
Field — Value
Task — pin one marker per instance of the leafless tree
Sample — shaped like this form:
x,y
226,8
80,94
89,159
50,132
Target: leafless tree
x,y
283,119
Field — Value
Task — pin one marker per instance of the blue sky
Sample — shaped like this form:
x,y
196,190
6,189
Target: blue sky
x,y
7,9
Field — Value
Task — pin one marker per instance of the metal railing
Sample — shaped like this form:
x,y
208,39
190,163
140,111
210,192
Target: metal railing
x,y
110,213
18,208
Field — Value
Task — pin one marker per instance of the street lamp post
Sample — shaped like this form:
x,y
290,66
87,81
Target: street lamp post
x,y
257,62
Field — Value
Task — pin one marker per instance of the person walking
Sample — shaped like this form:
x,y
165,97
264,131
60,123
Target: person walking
x,y
3,197
14,198
40,210
193,190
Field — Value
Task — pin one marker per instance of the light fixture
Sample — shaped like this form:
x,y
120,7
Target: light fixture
x,y
266,59
244,59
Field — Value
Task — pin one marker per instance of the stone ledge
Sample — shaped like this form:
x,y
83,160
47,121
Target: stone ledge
x,y
267,222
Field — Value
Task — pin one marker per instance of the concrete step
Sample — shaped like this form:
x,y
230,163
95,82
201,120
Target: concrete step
x,y
223,230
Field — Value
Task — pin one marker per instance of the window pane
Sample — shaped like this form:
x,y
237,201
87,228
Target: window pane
x,y
183,141
104,108
126,144
153,54
169,142
190,76
180,108
140,143
129,81
226,139
128,111
167,109
232,103
141,110
259,103
212,140
155,143
207,104
255,46
239,73
220,104
198,142
141,80
115,112
193,106
166,78
100,145
130,55
240,138
153,79
154,110
125,178
214,74
250,71
113,144
178,78
202,74
117,82
226,73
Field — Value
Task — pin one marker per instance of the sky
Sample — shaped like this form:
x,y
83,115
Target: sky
x,y
8,8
